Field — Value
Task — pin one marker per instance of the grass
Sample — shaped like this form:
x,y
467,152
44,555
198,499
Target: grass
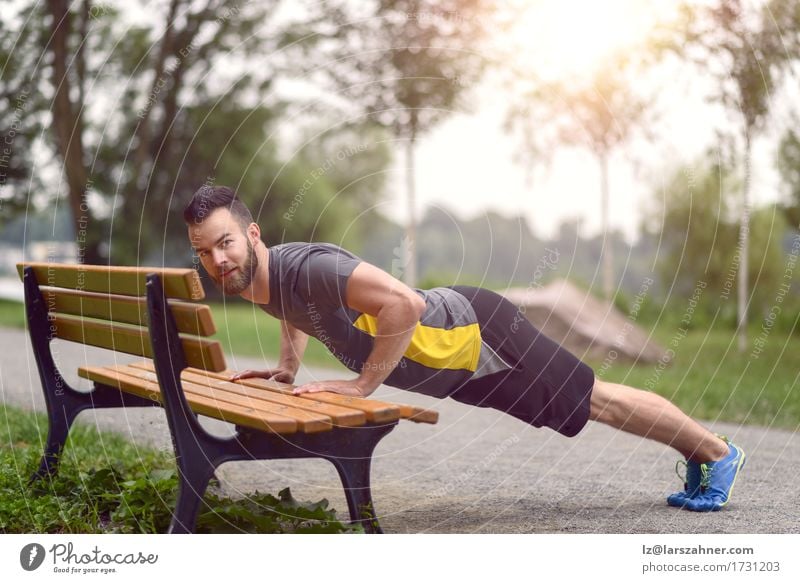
x,y
108,485
12,314
246,330
708,378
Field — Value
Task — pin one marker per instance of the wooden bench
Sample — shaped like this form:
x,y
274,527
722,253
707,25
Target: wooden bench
x,y
151,312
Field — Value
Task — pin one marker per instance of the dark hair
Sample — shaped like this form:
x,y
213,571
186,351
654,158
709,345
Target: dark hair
x,y
207,199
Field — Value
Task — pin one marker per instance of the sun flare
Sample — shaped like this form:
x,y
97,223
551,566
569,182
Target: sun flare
x,y
573,37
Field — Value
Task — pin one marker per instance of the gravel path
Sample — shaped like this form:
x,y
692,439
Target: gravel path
x,y
477,470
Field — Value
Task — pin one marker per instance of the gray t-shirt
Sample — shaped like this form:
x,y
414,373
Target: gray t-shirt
x,y
307,283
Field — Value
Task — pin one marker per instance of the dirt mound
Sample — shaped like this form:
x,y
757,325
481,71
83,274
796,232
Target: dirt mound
x,y
585,325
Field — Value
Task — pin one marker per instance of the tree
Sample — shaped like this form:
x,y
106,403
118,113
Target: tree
x,y
119,91
21,109
747,57
600,115
406,64
142,114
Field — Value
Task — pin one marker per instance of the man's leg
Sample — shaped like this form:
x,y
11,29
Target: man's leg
x,y
712,463
652,416
549,386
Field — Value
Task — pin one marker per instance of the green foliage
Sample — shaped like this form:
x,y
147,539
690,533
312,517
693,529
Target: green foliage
x,y
142,504
266,514
310,197
134,494
345,161
700,244
698,234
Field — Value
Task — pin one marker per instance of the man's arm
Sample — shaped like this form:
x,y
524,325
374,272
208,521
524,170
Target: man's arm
x,y
293,345
397,309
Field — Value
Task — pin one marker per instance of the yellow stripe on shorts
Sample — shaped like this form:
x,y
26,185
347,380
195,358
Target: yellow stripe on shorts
x,y
458,348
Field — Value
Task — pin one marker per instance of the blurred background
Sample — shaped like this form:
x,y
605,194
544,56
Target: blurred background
x,y
645,152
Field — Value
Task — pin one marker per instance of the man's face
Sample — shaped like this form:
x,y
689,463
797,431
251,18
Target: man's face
x,y
225,251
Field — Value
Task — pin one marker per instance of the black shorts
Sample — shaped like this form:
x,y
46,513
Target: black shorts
x,y
547,385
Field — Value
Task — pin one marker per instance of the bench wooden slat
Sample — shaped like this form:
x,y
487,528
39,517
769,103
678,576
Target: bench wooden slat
x,y
376,411
419,414
341,416
178,283
245,416
307,421
370,406
200,353
409,412
190,318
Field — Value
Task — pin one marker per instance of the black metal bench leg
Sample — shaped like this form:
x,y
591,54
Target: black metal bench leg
x,y
354,473
63,405
60,423
192,485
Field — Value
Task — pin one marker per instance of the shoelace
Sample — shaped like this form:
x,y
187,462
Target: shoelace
x,y
705,476
685,470
707,469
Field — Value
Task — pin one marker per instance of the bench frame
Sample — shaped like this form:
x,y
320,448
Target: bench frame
x,y
197,452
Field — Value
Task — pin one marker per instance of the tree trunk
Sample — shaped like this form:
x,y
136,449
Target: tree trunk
x,y
410,244
607,247
68,130
140,197
141,158
744,244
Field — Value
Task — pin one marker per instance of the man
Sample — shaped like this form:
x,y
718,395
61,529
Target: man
x,y
461,342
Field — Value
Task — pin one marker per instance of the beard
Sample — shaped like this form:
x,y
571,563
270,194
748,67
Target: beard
x,y
237,282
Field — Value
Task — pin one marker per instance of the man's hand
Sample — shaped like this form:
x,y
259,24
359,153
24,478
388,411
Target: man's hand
x,y
351,388
280,374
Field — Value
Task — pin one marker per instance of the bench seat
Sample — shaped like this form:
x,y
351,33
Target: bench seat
x,y
257,403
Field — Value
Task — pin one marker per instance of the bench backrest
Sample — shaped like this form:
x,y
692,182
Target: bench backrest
x,y
105,306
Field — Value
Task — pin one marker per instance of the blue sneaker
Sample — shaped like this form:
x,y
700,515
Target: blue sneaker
x,y
691,484
717,480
